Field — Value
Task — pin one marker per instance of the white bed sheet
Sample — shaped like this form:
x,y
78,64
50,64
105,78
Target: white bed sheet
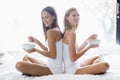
x,y
8,71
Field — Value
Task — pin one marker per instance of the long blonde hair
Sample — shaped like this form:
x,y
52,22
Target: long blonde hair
x,y
67,25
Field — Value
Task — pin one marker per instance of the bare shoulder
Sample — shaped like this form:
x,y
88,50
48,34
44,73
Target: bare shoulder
x,y
54,33
69,36
70,33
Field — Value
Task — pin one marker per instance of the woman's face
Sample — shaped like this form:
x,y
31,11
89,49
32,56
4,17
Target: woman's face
x,y
73,18
47,19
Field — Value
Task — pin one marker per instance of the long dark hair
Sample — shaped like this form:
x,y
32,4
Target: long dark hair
x,y
52,12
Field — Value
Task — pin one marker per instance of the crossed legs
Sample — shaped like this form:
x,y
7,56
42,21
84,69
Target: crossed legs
x,y
94,65
30,66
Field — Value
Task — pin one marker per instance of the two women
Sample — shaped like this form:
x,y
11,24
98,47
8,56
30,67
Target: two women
x,y
58,46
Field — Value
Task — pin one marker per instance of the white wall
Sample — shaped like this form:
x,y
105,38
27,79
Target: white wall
x,y
21,18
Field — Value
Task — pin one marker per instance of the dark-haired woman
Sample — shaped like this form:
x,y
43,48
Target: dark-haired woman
x,y
53,37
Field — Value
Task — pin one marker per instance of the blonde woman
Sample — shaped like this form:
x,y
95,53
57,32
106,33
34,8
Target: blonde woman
x,y
93,65
53,37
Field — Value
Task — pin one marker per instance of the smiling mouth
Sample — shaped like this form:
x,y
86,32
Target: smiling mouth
x,y
46,23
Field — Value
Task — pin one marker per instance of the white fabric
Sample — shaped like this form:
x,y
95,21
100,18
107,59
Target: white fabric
x,y
55,65
70,67
9,72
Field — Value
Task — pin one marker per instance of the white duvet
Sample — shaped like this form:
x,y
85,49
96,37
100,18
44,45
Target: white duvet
x,y
8,71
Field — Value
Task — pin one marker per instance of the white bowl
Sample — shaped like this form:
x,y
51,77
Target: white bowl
x,y
93,41
28,46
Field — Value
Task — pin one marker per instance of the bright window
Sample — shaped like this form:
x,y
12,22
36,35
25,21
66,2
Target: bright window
x,y
21,18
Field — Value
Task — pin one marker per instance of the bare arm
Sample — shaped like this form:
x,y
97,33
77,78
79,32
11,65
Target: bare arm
x,y
71,42
82,46
94,36
51,44
34,40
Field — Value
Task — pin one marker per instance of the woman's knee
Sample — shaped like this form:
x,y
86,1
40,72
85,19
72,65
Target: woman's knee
x,y
19,66
106,65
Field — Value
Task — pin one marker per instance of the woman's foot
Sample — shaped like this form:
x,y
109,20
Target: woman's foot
x,y
99,59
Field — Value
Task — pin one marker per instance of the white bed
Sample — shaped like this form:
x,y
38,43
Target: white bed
x,y
8,71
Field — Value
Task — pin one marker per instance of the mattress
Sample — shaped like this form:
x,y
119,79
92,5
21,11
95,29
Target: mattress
x,y
8,71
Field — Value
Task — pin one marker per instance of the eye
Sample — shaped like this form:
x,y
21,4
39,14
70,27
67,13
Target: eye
x,y
42,17
46,17
73,15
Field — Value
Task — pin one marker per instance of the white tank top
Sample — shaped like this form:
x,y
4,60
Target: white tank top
x,y
68,64
58,60
56,65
